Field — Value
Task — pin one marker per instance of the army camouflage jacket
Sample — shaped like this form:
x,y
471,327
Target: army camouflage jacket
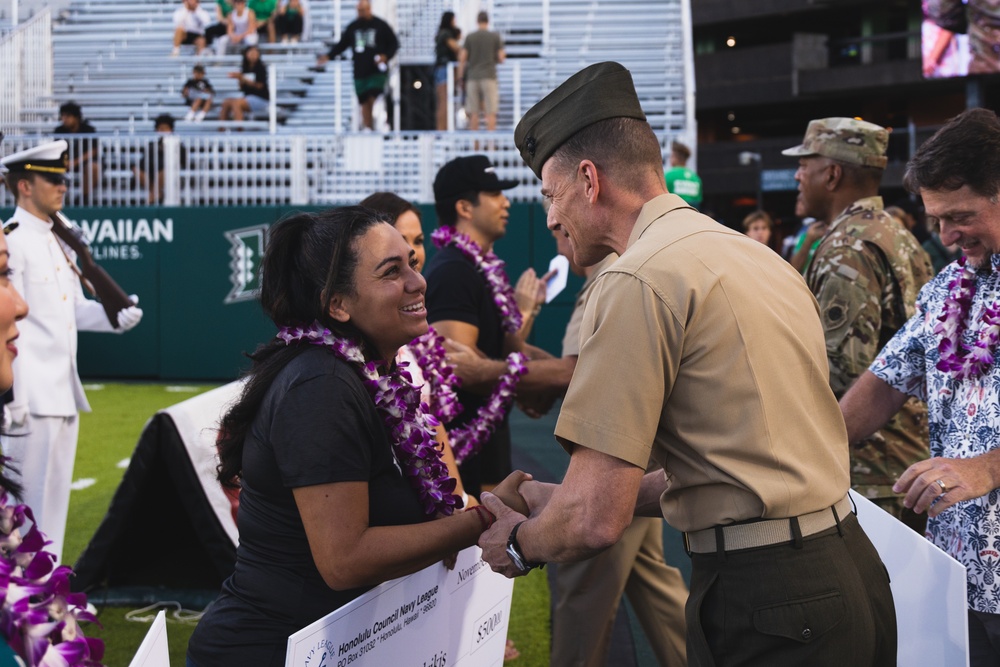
x,y
866,274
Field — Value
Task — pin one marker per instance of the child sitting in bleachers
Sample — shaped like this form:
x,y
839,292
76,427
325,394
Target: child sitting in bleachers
x,y
198,93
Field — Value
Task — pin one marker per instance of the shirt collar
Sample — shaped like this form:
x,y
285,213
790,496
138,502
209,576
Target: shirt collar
x,y
32,221
652,211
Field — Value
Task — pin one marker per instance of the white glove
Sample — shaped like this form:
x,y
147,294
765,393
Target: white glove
x,y
129,317
134,298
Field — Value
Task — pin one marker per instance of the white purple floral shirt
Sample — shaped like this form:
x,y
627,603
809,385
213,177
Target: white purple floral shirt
x,y
964,422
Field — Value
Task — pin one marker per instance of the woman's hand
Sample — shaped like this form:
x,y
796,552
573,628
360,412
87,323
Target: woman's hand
x,y
507,491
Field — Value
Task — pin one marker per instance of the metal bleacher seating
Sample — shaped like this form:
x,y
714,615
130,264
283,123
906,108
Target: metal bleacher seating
x,y
113,58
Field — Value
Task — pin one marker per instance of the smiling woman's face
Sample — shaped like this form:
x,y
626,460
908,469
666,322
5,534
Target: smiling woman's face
x,y
388,301
12,309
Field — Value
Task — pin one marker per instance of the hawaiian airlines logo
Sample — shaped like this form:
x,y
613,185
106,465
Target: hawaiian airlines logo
x,y
245,251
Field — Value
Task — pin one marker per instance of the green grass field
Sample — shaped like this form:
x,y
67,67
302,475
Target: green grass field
x,y
107,438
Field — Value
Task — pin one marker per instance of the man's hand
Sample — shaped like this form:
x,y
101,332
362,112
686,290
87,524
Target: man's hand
x,y
816,231
507,491
530,291
470,364
938,483
129,317
494,541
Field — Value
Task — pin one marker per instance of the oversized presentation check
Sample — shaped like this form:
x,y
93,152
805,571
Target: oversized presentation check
x,y
432,618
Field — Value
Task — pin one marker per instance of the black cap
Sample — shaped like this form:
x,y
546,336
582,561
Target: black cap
x,y
473,173
593,94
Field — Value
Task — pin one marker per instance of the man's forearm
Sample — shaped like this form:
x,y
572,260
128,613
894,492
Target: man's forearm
x,y
868,405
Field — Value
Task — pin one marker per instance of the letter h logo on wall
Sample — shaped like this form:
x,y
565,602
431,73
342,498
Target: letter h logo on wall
x,y
246,247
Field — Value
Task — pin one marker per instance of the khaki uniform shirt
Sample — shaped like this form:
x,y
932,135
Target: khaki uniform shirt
x,y
571,339
705,347
866,274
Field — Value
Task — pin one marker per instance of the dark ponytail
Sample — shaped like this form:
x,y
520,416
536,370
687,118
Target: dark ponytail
x,y
309,259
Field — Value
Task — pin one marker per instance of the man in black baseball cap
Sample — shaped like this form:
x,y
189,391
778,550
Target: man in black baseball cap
x,y
469,299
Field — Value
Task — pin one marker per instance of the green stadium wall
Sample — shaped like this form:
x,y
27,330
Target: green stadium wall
x,y
200,316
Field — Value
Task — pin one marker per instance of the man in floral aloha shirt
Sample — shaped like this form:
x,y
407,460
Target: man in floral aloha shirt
x,y
944,355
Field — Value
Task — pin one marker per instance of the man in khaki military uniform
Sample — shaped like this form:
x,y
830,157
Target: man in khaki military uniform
x,y
866,273
703,349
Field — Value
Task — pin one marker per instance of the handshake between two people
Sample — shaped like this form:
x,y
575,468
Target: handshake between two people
x,y
512,501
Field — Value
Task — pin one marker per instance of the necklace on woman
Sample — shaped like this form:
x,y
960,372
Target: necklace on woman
x,y
397,401
491,267
439,375
956,357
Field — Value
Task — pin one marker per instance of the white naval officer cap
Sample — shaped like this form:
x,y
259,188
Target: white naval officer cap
x,y
49,160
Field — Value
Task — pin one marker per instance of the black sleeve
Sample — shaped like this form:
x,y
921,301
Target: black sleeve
x,y
346,40
321,432
454,292
388,38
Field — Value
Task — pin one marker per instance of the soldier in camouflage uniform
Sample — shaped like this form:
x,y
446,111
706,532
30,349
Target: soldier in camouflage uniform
x,y
866,273
980,19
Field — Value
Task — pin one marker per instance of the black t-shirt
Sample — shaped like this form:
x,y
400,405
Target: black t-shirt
x,y
456,290
317,425
366,38
197,85
443,54
83,145
259,72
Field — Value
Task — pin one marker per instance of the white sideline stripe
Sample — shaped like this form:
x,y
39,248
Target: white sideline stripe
x,y
123,463
179,388
81,484
93,387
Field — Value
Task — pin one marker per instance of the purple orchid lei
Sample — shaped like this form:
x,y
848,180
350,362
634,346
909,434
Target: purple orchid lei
x,y
468,439
955,356
39,616
439,375
410,424
491,267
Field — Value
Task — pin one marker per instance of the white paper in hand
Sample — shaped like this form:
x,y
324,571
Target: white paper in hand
x,y
557,283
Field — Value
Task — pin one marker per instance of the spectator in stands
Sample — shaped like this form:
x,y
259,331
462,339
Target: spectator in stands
x,y
681,180
290,21
759,226
84,154
191,22
199,94
150,172
264,10
330,503
241,29
253,88
373,44
446,51
482,52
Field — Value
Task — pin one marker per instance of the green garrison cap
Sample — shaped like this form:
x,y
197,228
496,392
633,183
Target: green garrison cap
x,y
595,93
845,139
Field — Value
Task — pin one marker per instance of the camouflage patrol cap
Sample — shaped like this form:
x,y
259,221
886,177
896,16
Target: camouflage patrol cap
x,y
845,139
595,93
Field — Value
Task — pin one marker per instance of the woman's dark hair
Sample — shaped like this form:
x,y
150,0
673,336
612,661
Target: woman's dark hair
x,y
245,63
390,205
446,20
310,258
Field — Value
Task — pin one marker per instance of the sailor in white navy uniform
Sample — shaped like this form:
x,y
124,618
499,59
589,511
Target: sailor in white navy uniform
x,y
41,432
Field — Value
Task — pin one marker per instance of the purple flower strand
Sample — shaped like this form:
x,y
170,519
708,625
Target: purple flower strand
x,y
468,439
39,616
411,427
956,357
439,375
491,267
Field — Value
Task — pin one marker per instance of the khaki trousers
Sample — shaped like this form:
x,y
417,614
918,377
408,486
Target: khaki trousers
x,y
587,596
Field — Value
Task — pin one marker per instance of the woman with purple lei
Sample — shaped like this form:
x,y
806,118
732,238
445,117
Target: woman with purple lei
x,y
341,481
424,355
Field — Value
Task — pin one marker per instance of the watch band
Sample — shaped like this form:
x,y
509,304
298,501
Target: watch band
x,y
515,552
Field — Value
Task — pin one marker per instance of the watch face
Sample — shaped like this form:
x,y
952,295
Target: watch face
x,y
515,557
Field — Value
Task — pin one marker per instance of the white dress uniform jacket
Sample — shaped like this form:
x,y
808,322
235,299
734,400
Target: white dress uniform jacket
x,y
46,381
